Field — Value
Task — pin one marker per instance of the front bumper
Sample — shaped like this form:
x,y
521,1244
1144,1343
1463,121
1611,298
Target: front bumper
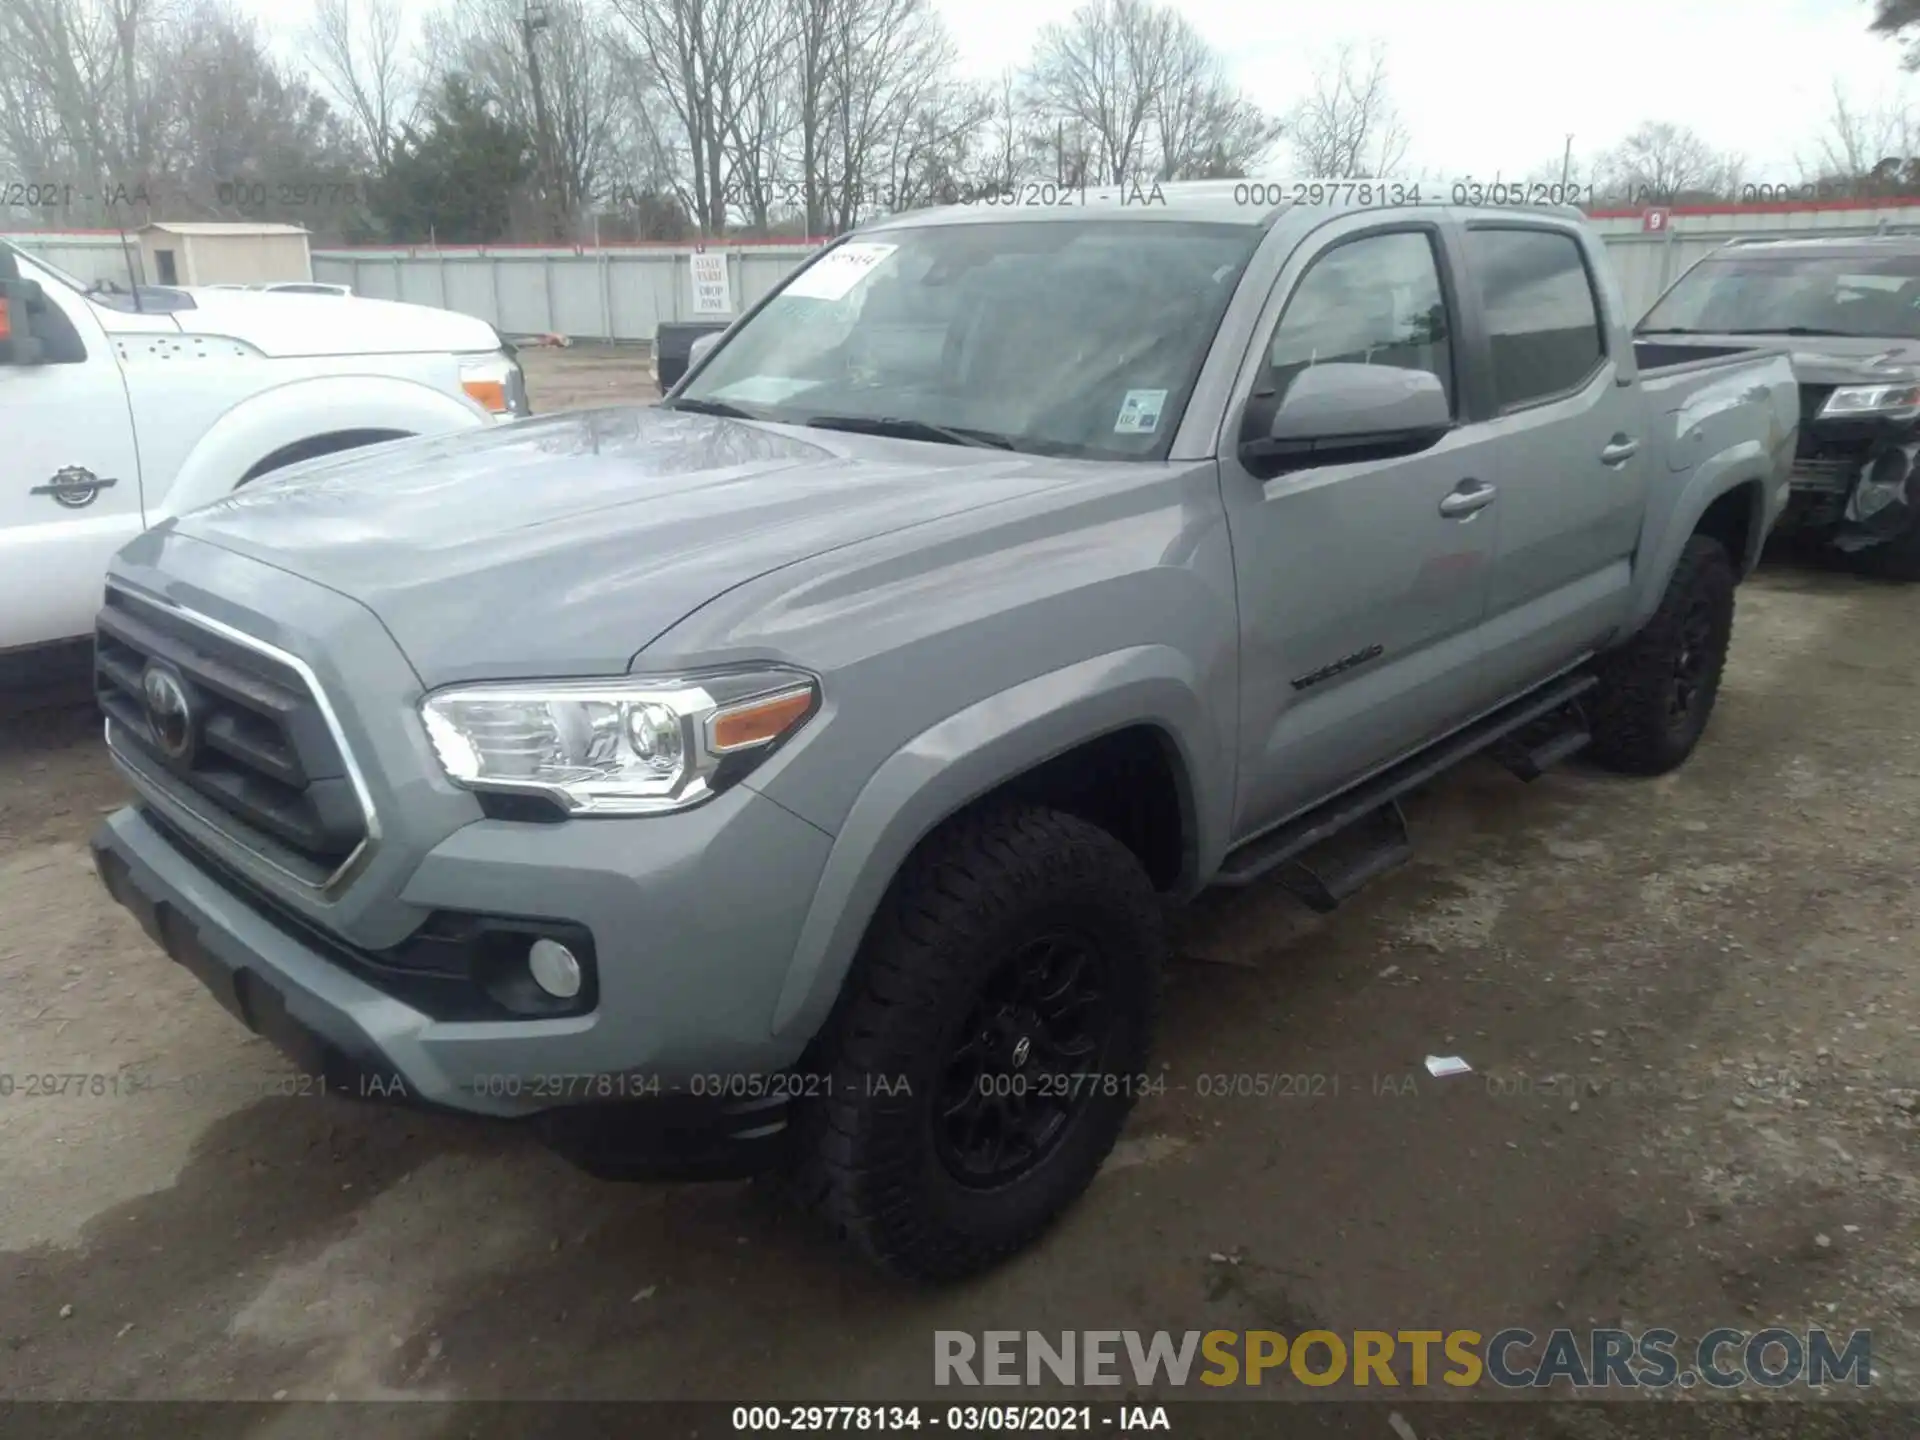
x,y
1858,499
640,1086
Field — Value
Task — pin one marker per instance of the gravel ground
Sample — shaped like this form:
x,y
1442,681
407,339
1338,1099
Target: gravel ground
x,y
583,376
1689,1004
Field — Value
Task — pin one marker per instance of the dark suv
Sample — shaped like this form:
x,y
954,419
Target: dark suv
x,y
1849,311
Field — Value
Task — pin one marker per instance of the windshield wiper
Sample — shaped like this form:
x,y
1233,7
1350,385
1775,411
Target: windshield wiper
x,y
1667,330
910,430
709,407
1795,330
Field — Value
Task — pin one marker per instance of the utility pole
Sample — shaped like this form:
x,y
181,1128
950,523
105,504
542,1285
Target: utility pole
x,y
532,21
1566,166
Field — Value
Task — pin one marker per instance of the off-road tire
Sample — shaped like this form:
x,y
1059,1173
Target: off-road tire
x,y
1634,730
866,1160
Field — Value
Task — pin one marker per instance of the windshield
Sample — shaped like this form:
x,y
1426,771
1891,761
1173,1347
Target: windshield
x,y
1875,296
70,281
1058,337
112,299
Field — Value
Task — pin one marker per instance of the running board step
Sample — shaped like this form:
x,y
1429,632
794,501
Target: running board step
x,y
1372,847
1265,854
1535,750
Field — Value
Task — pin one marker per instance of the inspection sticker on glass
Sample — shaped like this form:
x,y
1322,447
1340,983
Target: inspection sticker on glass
x,y
838,271
1140,412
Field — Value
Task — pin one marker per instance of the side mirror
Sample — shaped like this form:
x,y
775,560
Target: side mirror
x,y
1342,412
701,347
18,300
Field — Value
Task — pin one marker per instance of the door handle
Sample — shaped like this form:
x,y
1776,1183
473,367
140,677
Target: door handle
x,y
1470,499
1619,452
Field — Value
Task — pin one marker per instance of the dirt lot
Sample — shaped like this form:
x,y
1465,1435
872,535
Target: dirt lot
x,y
582,376
1690,1004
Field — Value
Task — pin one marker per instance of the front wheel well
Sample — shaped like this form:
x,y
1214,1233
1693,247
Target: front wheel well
x,y
1128,783
1731,519
317,445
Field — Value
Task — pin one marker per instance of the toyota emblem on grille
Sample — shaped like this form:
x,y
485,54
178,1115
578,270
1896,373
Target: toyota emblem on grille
x,y
169,713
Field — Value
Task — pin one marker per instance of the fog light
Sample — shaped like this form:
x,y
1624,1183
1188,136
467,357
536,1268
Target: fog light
x,y
554,969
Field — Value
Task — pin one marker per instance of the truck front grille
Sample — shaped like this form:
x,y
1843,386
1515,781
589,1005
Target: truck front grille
x,y
228,729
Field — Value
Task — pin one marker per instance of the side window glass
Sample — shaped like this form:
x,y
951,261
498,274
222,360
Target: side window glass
x,y
1543,320
1372,301
60,342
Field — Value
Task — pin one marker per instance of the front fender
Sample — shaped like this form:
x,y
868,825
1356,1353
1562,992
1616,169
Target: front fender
x,y
973,752
301,410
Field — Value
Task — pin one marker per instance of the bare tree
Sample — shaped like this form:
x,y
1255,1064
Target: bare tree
x,y
1205,128
756,126
931,153
1347,127
360,55
1863,141
698,55
1105,70
1133,93
78,91
136,101
889,61
229,116
588,90
1665,162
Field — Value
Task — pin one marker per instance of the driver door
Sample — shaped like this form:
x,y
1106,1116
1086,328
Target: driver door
x,y
1361,599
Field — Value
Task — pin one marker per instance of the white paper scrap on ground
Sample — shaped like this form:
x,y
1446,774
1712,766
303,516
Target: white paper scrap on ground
x,y
1444,1065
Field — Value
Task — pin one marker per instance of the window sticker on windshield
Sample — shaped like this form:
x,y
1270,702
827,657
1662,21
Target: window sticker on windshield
x,y
838,271
1140,412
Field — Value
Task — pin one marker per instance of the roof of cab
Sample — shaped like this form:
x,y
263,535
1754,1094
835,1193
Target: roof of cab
x,y
1203,200
1229,202
1832,247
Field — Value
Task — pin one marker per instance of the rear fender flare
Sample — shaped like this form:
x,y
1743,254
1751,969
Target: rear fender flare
x,y
1749,464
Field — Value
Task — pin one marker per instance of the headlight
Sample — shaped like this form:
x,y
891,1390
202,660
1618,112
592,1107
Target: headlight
x,y
1862,401
496,383
630,746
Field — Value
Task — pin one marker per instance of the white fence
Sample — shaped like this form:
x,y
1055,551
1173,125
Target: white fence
x,y
612,293
625,292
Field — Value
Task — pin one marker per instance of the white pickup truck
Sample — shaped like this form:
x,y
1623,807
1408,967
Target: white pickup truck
x,y
121,410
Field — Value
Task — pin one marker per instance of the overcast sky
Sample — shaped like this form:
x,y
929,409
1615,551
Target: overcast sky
x,y
1497,85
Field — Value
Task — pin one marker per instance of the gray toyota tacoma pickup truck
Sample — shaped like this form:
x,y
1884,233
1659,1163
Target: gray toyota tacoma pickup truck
x,y
793,775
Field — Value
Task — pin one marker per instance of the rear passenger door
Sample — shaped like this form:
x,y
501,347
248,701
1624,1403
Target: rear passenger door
x,y
1360,597
1571,455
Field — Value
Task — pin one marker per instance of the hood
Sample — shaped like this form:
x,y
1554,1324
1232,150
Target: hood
x,y
284,326
564,545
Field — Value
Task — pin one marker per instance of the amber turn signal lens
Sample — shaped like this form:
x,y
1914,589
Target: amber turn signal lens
x,y
491,394
759,721
6,320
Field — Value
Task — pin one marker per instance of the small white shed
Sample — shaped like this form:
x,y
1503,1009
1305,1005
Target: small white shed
x,y
212,252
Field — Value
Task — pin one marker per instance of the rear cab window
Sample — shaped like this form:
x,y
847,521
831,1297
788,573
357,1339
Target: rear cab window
x,y
1544,320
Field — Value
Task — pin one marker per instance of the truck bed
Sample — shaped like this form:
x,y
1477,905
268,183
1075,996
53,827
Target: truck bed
x,y
1652,356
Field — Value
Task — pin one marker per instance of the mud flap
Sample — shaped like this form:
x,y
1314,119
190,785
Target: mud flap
x,y
1882,504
